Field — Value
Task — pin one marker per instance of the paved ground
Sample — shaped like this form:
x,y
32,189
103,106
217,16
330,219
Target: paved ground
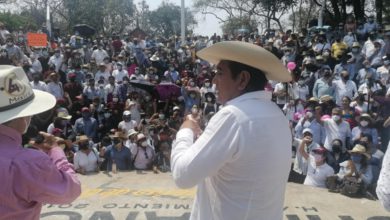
x,y
132,196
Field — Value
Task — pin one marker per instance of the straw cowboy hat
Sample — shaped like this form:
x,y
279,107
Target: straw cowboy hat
x,y
17,98
118,134
360,149
248,54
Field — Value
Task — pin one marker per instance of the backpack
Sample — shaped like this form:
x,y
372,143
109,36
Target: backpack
x,y
352,186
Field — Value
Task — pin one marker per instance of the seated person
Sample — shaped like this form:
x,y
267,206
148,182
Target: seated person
x,y
162,161
336,156
86,158
143,153
117,155
358,165
318,170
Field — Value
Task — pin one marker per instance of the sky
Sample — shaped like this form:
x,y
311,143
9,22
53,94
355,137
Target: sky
x,y
207,24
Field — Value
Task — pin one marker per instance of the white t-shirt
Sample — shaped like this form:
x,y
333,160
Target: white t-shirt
x,y
87,162
336,131
126,126
316,175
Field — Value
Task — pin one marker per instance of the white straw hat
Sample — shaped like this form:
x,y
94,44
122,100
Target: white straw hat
x,y
248,54
17,98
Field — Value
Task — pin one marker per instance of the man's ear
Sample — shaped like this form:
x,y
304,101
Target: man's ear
x,y
243,79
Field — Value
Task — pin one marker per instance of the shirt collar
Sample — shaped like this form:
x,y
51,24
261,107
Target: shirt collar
x,y
10,133
260,95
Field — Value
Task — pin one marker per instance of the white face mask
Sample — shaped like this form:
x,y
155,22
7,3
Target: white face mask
x,y
309,114
364,123
194,111
209,99
144,144
336,118
207,84
318,158
107,115
115,99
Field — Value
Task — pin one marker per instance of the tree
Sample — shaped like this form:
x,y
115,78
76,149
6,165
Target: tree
x,y
236,25
258,10
165,20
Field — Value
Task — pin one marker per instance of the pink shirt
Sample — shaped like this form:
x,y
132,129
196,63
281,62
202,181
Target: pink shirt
x,y
30,178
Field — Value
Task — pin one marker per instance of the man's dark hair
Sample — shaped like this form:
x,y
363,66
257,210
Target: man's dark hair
x,y
257,80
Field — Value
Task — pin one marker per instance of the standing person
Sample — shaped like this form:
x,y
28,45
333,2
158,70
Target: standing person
x,y
383,186
33,177
232,162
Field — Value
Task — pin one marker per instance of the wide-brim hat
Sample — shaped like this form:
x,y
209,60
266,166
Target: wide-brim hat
x,y
17,98
131,132
64,115
118,134
154,58
360,149
366,116
81,138
248,54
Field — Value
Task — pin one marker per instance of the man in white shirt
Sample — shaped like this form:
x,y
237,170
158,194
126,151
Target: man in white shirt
x,y
127,124
102,73
336,128
344,87
55,86
56,60
37,84
232,161
99,54
119,73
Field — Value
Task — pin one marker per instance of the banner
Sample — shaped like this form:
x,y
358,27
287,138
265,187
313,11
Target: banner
x,y
36,39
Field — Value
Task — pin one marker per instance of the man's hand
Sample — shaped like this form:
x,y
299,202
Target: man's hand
x,y
193,125
307,139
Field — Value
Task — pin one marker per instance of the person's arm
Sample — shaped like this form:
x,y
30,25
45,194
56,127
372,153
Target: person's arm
x,y
383,184
192,161
48,178
367,176
302,146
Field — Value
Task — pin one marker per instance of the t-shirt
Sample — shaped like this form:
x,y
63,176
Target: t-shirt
x,y
316,175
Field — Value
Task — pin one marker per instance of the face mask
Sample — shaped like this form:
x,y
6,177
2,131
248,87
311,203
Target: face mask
x,y
115,99
86,114
336,118
207,84
326,54
101,86
309,114
356,158
57,54
318,158
346,77
194,111
364,123
192,84
209,99
125,82
116,141
162,117
193,96
107,115
10,44
151,133
136,72
144,144
367,66
336,148
171,69
147,98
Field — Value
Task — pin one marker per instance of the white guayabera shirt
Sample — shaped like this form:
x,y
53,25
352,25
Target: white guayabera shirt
x,y
240,163
383,186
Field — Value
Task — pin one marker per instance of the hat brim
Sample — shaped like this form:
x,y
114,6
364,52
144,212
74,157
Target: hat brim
x,y
248,54
42,102
358,152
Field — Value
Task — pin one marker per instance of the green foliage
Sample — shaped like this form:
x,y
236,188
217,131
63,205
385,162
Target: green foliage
x,y
14,21
165,20
236,25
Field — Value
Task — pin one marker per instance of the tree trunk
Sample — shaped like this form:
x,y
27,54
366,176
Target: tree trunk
x,y
379,10
358,6
336,10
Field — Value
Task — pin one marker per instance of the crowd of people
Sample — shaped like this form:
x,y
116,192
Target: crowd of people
x,y
111,114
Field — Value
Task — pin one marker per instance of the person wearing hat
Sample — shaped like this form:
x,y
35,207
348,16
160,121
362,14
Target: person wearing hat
x,y
317,168
119,73
15,53
73,87
235,140
384,70
364,127
38,176
300,163
383,184
131,138
102,73
118,155
143,154
358,165
127,124
311,120
86,159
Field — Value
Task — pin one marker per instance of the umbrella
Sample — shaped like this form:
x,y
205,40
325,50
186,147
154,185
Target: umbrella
x,y
144,85
84,30
167,90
